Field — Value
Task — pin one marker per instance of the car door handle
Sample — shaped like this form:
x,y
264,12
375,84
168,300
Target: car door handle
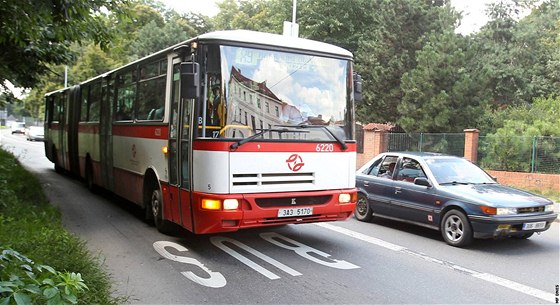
x,y
398,190
366,183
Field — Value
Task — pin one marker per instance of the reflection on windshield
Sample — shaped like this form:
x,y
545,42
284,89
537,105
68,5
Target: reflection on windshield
x,y
265,89
457,171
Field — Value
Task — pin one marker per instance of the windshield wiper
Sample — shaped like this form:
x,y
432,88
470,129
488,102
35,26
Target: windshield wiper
x,y
339,140
260,133
455,183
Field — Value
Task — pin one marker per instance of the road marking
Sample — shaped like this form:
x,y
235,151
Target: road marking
x,y
543,295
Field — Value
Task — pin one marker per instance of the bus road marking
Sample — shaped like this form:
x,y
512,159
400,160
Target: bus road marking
x,y
219,241
217,279
537,293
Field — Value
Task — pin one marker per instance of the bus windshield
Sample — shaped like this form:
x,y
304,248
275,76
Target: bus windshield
x,y
273,95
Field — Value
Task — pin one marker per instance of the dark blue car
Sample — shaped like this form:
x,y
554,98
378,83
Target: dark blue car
x,y
449,194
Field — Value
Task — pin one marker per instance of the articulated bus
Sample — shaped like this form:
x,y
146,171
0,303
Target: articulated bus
x,y
226,131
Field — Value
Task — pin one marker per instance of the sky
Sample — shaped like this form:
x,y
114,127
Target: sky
x,y
473,10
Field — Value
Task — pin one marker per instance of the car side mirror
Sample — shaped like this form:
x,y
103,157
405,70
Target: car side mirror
x,y
422,182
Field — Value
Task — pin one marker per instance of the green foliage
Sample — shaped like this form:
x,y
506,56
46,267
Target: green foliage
x,y
257,15
438,97
393,34
36,34
32,227
522,141
24,282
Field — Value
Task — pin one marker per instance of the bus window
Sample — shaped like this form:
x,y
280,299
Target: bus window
x,y
151,91
94,101
84,104
126,94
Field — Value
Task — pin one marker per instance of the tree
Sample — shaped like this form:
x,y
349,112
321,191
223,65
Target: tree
x,y
439,94
514,56
35,34
511,146
256,15
387,50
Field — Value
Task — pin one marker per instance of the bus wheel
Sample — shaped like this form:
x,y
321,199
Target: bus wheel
x,y
156,208
89,177
57,168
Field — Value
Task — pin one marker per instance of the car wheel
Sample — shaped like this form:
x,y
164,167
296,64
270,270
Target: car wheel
x,y
363,211
456,229
523,236
156,209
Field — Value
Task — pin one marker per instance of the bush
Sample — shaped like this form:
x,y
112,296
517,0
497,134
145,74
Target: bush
x,y
34,240
24,282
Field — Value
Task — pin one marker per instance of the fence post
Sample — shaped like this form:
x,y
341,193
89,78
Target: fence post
x,y
379,143
471,144
533,153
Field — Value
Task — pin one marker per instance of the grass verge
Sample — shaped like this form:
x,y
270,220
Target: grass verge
x,y
32,227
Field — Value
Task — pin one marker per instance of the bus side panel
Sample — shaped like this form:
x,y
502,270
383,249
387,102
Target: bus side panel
x,y
88,137
135,149
128,185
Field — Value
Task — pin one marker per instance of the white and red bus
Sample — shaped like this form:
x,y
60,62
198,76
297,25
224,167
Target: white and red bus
x,y
228,130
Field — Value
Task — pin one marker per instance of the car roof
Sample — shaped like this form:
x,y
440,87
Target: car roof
x,y
420,155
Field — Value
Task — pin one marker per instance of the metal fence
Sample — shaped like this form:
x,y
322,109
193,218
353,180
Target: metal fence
x,y
446,143
520,154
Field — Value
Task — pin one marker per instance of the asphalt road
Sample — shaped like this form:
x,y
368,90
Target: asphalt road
x,y
331,263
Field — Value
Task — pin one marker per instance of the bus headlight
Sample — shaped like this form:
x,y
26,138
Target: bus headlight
x,y
344,198
231,204
211,204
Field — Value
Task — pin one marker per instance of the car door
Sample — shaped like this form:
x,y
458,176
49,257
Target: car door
x,y
376,182
410,201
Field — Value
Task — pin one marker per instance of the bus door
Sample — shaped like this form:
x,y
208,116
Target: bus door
x,y
180,152
105,133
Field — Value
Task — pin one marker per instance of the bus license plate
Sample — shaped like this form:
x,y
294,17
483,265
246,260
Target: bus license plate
x,y
294,212
534,225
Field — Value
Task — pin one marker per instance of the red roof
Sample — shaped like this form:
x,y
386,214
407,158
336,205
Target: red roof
x,y
378,126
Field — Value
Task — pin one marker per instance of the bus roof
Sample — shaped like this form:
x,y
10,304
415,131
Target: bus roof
x,y
275,40
245,37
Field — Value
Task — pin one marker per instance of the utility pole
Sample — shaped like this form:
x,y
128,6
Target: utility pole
x,y
292,28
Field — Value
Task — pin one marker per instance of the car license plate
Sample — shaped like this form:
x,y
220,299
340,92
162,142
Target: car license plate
x,y
534,225
294,212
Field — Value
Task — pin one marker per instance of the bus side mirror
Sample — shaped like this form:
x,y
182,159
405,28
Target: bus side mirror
x,y
190,80
357,87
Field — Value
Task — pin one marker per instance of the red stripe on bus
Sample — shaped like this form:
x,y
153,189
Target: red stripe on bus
x,y
274,146
88,128
141,131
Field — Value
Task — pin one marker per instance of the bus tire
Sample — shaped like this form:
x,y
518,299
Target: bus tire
x,y
57,168
89,177
156,208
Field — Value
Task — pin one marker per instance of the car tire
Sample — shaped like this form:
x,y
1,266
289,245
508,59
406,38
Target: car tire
x,y
456,229
523,236
363,211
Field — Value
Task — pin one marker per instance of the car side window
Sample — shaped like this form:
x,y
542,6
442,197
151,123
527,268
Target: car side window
x,y
409,169
386,169
374,168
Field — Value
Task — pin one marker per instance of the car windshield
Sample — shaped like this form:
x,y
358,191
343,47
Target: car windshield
x,y
278,95
457,171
